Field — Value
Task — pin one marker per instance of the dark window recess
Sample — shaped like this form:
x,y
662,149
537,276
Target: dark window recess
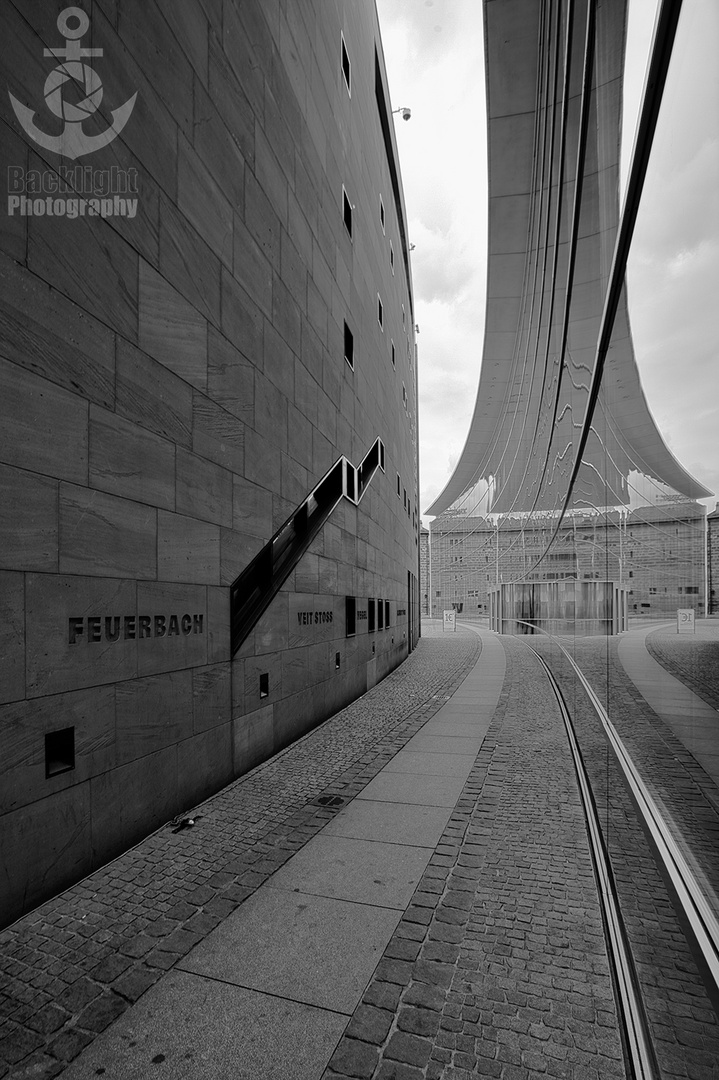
x,y
380,312
265,684
347,212
371,616
394,356
381,212
337,661
381,456
350,616
59,751
346,66
349,347
386,612
399,485
391,256
380,615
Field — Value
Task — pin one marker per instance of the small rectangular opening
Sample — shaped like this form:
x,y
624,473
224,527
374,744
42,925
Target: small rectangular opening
x,y
346,211
337,661
394,356
403,316
371,616
391,256
380,615
346,66
350,616
386,612
381,456
349,347
404,395
265,684
380,312
381,212
59,751
399,486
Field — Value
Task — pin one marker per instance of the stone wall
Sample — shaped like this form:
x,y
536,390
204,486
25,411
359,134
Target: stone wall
x,y
172,338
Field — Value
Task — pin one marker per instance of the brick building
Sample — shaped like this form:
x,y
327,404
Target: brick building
x,y
656,553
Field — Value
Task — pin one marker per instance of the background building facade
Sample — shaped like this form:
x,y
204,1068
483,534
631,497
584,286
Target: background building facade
x,y
199,317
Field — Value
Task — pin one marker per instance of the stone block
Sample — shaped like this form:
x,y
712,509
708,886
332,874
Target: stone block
x,y
295,674
263,462
204,490
190,26
57,832
230,100
156,51
12,635
307,573
242,319
90,263
217,434
262,221
204,764
293,271
287,315
28,520
64,655
127,460
188,263
25,723
129,802
178,642
203,203
187,550
106,535
251,266
218,623
152,714
51,336
220,146
230,378
271,629
295,483
170,328
30,404
252,508
151,395
211,696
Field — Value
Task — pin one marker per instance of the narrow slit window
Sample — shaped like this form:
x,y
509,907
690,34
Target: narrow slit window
x,y
391,256
386,612
380,615
399,486
265,684
394,356
59,751
346,211
349,347
404,319
371,616
346,66
381,456
381,212
337,661
350,616
404,395
380,311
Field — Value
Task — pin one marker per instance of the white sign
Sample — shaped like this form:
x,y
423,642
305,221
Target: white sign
x,y
685,621
450,620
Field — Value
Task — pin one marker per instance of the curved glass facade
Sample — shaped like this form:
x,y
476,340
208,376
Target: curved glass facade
x,y
569,520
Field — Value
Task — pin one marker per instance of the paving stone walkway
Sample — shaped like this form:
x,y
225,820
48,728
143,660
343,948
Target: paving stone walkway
x,y
75,964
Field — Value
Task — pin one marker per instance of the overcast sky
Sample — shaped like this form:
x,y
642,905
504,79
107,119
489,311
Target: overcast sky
x,y
435,65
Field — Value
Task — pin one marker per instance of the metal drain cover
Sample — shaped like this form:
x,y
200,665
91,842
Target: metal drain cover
x,y
330,800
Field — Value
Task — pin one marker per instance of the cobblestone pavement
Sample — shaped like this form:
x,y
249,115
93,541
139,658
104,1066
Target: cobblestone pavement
x,y
693,661
681,1018
498,966
71,967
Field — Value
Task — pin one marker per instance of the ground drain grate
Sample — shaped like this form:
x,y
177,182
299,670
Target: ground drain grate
x,y
330,800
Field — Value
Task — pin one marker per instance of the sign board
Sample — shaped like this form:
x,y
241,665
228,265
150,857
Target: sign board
x,y
449,620
685,620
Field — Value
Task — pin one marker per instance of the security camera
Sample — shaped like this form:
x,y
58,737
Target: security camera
x,y
406,113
